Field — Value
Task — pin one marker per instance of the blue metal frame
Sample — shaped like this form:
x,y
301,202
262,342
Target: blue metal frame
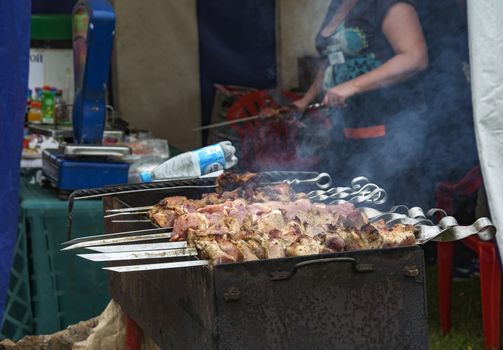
x,y
89,114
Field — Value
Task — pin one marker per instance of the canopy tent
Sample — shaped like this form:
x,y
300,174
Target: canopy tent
x,y
198,43
14,55
486,55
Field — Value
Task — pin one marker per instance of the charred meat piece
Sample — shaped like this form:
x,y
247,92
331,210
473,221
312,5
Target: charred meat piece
x,y
229,248
274,248
279,192
195,221
270,221
256,247
371,236
397,236
292,232
230,181
210,249
304,246
349,215
167,210
352,240
172,201
334,242
246,250
163,218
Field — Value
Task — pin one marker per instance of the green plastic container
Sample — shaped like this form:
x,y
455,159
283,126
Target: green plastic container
x,y
47,107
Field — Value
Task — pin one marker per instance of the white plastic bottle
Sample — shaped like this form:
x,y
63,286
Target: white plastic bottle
x,y
195,163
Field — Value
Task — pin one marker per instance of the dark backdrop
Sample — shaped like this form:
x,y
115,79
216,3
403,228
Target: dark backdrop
x,y
237,45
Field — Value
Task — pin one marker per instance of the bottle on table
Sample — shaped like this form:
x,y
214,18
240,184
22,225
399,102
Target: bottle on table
x,y
28,104
35,112
60,109
38,94
195,163
47,105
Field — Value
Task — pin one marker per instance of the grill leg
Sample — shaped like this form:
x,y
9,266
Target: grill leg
x,y
445,252
490,288
133,335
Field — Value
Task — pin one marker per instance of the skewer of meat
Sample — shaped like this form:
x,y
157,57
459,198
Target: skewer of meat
x,y
271,222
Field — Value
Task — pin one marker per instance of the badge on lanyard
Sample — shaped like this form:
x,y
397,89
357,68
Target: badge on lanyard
x,y
336,58
335,55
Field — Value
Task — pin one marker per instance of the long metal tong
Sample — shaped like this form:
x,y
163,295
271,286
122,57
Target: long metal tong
x,y
258,116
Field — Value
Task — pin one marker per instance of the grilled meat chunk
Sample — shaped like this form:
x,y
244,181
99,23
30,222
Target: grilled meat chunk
x,y
274,248
210,249
270,221
250,222
397,236
195,221
304,246
229,181
246,250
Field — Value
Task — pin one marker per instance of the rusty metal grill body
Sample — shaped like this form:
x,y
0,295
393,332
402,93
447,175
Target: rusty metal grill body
x,y
371,299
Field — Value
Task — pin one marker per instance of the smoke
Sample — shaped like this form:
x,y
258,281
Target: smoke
x,y
452,145
429,123
431,143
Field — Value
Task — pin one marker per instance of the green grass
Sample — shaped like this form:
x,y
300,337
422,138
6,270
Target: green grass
x,y
466,331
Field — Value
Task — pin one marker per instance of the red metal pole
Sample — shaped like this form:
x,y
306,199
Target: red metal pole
x,y
133,335
445,251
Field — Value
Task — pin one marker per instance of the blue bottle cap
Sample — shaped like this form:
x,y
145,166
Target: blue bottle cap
x,y
146,176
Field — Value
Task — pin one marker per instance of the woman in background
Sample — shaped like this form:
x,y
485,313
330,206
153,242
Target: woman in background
x,y
373,51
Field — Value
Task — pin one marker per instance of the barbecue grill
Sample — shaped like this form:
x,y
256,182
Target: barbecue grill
x,y
349,300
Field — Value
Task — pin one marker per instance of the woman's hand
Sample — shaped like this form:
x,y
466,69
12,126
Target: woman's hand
x,y
338,95
301,103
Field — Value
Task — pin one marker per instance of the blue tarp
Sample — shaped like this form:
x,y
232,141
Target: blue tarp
x,y
14,57
237,46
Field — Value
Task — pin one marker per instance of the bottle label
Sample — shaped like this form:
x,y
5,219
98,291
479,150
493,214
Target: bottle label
x,y
211,158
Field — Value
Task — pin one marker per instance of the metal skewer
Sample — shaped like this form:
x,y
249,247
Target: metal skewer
x,y
155,254
129,209
125,213
124,234
322,181
116,234
129,221
126,239
137,247
161,266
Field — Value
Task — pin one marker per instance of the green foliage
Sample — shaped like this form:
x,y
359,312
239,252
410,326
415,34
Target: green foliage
x,y
466,331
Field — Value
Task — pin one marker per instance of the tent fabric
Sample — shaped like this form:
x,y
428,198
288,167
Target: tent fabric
x,y
155,69
486,53
168,55
14,57
237,46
